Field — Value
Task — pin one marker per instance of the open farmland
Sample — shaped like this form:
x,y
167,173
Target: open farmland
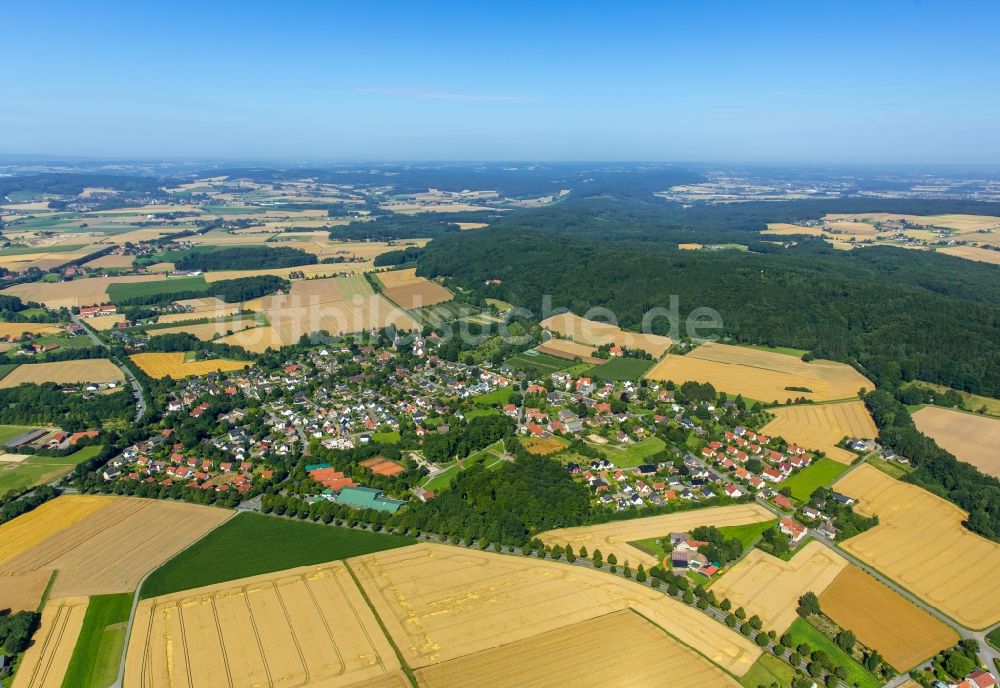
x,y
439,603
90,291
111,261
770,588
113,547
785,229
403,287
921,544
566,348
45,662
960,223
23,591
585,331
207,331
621,369
761,375
971,438
300,627
884,620
24,532
615,537
16,329
648,656
820,427
94,370
160,365
18,471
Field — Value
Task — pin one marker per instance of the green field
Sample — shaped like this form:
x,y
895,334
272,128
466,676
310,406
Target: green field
x,y
767,671
251,544
487,457
973,402
130,290
993,638
747,534
23,250
5,369
534,363
38,470
9,432
896,470
94,663
447,311
819,473
802,632
391,437
635,454
621,369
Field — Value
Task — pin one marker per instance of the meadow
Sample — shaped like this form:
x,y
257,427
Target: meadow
x,y
94,663
37,470
819,473
802,632
620,369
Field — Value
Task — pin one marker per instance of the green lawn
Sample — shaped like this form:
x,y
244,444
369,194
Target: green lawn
x,y
651,545
896,470
497,397
802,632
391,437
443,479
768,670
38,470
476,413
747,534
250,544
9,432
121,291
94,663
621,369
788,351
635,454
818,474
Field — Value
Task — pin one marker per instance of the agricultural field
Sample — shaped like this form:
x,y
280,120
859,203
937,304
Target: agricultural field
x,y
104,322
89,291
279,543
46,660
983,255
300,627
762,375
884,620
84,370
24,532
176,365
207,331
648,656
543,446
819,473
27,470
441,603
14,330
615,537
568,349
973,402
102,553
171,285
971,438
820,427
917,543
619,369
586,331
962,224
770,588
95,659
404,288
23,591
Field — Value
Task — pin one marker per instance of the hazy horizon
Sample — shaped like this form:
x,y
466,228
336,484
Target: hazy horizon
x,y
900,83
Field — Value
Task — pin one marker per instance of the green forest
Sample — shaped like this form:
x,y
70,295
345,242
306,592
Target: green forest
x,y
245,258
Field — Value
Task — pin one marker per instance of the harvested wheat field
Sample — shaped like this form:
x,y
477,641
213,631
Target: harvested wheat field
x,y
761,375
94,370
45,662
104,322
308,626
160,365
690,246
15,329
885,620
409,291
821,427
23,591
614,537
644,654
206,332
565,348
114,547
27,530
771,588
785,229
920,543
309,271
90,291
982,255
593,332
971,438
111,261
440,603
256,340
958,222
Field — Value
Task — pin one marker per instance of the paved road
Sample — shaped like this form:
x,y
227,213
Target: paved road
x,y
140,397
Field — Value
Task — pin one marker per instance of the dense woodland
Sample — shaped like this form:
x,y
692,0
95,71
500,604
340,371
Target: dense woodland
x,y
46,404
245,258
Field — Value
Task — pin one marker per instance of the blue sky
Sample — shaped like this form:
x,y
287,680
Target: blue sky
x,y
875,81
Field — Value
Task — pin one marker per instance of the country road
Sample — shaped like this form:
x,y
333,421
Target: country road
x,y
137,392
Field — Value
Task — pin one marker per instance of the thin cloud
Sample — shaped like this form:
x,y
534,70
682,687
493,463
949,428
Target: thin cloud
x,y
424,94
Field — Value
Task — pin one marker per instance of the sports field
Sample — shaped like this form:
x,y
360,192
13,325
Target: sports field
x,y
917,543
596,333
761,375
648,656
821,426
770,588
160,365
440,603
971,438
45,661
884,620
94,370
615,537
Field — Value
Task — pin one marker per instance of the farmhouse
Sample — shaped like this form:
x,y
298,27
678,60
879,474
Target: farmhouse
x,y
792,528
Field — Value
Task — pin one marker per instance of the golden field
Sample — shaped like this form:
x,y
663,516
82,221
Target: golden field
x,y
113,547
27,530
64,372
982,255
770,588
560,658
89,291
565,348
160,365
615,537
596,333
921,544
308,626
439,603
822,426
309,271
104,322
15,329
403,287
111,261
885,620
206,332
761,375
970,437
785,229
958,222
23,591
46,660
